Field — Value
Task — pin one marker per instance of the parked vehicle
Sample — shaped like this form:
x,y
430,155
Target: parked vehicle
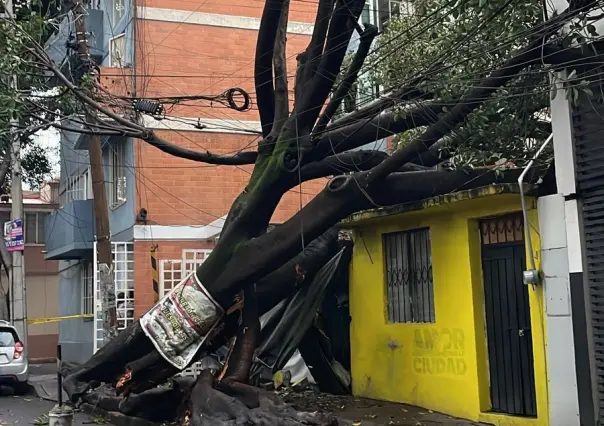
x,y
14,367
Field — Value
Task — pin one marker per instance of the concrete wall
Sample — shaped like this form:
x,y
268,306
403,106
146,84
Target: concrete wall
x,y
75,335
391,362
121,217
42,302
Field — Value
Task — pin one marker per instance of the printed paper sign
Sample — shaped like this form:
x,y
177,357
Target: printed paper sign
x,y
13,235
181,321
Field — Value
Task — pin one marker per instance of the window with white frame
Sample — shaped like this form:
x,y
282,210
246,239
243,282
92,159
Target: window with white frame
x,y
117,11
410,288
117,50
78,187
117,178
35,227
123,265
123,274
87,307
386,10
368,13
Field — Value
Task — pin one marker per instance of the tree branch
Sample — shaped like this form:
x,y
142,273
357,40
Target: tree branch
x,y
317,41
241,158
347,162
5,255
280,65
342,197
367,37
263,68
343,22
338,139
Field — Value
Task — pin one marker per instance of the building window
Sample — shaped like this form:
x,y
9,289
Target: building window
x,y
117,11
123,274
117,189
117,49
78,187
35,227
87,289
388,9
409,276
368,13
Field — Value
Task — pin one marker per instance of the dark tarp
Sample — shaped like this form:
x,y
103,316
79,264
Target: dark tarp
x,y
292,325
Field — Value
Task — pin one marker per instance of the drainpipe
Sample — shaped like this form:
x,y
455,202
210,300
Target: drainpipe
x,y
531,276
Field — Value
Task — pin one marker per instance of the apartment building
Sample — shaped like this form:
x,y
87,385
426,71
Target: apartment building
x,y
159,204
41,276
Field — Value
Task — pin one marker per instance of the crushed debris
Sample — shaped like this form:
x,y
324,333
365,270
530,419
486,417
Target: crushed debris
x,y
362,410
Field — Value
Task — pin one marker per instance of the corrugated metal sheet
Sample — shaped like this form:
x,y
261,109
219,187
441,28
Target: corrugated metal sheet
x,y
588,123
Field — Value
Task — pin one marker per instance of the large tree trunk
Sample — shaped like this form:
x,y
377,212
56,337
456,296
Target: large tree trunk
x,y
250,270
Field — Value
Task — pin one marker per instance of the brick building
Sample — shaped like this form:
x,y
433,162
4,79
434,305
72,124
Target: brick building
x,y
163,48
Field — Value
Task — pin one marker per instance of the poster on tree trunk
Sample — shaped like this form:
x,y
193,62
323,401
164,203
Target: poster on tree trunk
x,y
181,321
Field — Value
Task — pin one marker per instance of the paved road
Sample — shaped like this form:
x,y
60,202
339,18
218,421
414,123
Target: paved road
x,y
22,411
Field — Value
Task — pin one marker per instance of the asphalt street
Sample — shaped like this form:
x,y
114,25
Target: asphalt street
x,y
24,410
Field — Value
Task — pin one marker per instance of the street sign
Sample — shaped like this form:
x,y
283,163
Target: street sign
x,y
13,235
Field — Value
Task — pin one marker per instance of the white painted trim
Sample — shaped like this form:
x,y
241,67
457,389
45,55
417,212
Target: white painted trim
x,y
212,125
573,236
213,19
562,128
179,233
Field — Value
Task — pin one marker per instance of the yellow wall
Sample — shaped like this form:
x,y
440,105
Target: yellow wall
x,y
394,361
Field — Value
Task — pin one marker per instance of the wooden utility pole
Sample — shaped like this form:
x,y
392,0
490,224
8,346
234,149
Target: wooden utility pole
x,y
101,212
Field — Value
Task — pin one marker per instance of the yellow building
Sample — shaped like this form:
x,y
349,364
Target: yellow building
x,y
441,317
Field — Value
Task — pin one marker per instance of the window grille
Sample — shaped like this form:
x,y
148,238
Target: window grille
x,y
87,289
123,275
502,229
78,187
410,288
117,189
117,11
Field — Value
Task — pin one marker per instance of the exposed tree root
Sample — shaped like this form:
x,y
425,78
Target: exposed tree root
x,y
206,402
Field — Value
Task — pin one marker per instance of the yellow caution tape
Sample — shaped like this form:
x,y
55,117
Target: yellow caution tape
x,y
55,319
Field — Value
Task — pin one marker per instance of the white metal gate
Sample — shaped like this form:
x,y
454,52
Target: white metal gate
x,y
171,272
123,270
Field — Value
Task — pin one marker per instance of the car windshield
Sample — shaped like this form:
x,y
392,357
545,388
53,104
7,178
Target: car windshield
x,y
7,339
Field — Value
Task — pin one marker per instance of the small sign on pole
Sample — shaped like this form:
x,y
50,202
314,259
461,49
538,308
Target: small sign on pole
x,y
13,235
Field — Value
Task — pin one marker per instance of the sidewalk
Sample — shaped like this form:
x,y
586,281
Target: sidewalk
x,y
43,379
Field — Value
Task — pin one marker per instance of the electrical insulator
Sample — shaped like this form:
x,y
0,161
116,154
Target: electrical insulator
x,y
148,106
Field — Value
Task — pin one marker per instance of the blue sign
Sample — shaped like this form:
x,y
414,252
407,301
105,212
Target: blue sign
x,y
13,235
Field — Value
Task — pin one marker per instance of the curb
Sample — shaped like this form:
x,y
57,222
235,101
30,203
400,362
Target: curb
x,y
47,360
38,391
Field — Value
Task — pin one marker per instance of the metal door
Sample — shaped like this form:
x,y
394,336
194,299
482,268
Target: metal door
x,y
508,322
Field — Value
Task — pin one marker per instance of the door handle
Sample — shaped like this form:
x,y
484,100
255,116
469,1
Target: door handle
x,y
521,332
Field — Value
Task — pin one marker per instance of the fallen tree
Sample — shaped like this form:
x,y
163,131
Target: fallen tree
x,y
251,270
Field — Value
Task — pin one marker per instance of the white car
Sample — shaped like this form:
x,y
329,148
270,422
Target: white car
x,y
14,367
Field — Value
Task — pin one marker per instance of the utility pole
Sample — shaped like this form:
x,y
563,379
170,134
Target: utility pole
x,y
17,293
97,174
17,288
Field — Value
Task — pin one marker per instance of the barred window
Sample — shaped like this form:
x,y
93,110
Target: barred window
x,y
87,306
409,276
